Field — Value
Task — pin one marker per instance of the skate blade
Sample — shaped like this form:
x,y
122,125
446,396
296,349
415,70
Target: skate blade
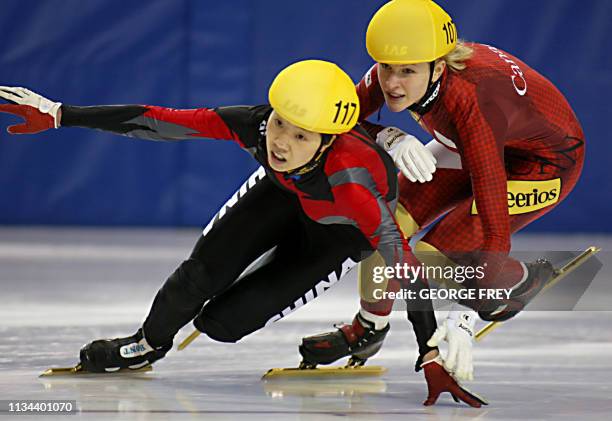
x,y
571,265
78,369
189,339
359,371
559,274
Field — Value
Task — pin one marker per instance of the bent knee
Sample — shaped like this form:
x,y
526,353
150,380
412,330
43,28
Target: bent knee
x,y
216,329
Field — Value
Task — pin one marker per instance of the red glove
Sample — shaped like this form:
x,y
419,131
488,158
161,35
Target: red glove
x,y
35,121
39,112
438,381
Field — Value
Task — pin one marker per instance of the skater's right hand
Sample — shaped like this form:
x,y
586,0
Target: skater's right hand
x,y
413,159
439,381
40,113
458,331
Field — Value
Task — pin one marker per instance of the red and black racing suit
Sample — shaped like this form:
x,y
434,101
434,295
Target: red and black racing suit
x,y
314,226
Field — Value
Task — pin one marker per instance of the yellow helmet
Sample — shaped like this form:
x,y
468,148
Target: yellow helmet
x,y
315,95
410,31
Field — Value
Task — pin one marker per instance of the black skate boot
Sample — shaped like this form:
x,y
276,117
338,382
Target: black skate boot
x,y
538,275
359,340
109,355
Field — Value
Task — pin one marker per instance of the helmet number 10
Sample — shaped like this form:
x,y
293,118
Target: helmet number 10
x,y
344,106
449,30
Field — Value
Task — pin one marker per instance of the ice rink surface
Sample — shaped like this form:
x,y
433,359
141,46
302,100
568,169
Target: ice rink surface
x,y
61,288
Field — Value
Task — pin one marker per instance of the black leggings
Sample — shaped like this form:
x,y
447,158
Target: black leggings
x,y
304,259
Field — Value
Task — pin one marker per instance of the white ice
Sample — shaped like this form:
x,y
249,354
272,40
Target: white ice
x,y
60,288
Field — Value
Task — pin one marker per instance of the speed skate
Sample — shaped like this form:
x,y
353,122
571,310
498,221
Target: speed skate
x,y
557,276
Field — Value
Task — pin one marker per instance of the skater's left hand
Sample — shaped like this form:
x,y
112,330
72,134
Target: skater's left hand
x,y
458,331
439,381
40,113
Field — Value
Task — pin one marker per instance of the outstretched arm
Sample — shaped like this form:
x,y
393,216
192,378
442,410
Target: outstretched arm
x,y
149,122
139,121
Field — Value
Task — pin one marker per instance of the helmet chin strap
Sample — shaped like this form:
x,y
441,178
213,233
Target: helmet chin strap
x,y
423,105
314,161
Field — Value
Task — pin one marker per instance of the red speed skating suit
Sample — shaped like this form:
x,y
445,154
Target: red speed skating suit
x,y
509,149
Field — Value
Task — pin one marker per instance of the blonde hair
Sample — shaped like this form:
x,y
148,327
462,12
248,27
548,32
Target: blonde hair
x,y
455,60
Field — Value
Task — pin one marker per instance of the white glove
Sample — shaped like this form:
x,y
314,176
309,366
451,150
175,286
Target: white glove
x,y
413,159
23,96
458,331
